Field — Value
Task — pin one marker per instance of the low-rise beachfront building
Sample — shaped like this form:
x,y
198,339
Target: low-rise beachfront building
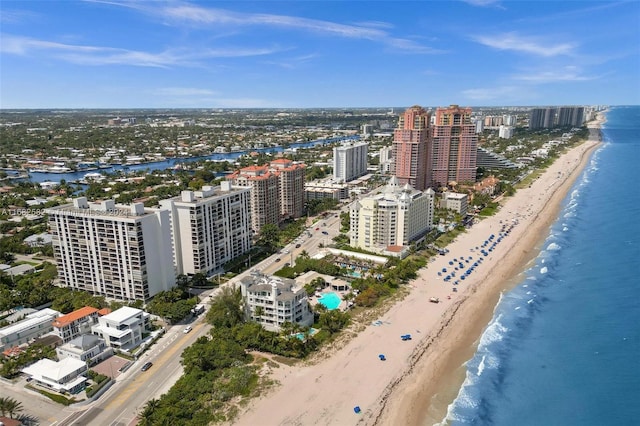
x,y
397,216
124,328
456,202
35,324
75,323
88,348
65,375
326,188
271,301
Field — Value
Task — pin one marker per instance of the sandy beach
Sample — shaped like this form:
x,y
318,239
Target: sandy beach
x,y
404,388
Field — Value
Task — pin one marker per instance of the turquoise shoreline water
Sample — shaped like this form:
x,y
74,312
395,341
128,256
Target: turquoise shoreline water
x,y
563,346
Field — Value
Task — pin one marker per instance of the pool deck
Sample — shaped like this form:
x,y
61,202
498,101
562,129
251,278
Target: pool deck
x,y
314,299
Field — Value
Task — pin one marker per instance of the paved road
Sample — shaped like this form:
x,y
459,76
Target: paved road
x,y
127,397
120,405
38,407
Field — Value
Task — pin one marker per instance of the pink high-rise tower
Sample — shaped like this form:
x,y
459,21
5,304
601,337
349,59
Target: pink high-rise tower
x,y
454,147
411,148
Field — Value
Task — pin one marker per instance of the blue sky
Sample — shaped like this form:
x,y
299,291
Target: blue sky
x,y
210,54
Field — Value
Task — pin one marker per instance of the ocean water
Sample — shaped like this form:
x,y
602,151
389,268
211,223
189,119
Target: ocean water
x,y
563,347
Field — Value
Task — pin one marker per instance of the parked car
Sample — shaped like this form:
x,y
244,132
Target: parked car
x,y
325,232
278,259
187,329
298,245
146,366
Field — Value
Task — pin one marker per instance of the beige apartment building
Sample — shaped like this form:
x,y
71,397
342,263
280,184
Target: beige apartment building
x,y
277,191
271,301
291,180
395,217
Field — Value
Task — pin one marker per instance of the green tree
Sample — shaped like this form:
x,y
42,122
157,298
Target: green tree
x,y
333,321
10,406
226,308
269,235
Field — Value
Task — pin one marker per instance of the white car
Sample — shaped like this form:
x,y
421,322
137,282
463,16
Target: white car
x,y
187,329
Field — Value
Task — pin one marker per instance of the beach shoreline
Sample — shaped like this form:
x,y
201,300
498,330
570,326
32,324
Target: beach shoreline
x,y
401,389
420,402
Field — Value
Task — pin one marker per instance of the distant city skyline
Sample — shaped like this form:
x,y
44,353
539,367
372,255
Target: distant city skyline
x,y
206,54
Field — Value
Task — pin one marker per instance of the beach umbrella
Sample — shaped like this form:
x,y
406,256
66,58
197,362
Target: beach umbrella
x,y
382,357
357,409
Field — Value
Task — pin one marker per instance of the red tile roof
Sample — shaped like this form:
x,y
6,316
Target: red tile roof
x,y
74,316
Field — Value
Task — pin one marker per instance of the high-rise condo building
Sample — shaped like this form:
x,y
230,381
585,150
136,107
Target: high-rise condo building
x,y
277,191
265,194
350,161
546,118
411,148
209,227
570,116
291,180
454,147
395,217
117,251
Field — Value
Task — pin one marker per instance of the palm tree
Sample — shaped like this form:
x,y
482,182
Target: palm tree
x,y
258,313
10,406
147,412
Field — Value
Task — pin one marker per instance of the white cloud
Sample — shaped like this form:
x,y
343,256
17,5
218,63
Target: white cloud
x,y
515,42
482,3
374,31
98,55
295,62
568,73
487,94
16,16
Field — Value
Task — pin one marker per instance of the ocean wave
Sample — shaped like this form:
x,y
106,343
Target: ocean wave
x,y
481,366
494,332
553,247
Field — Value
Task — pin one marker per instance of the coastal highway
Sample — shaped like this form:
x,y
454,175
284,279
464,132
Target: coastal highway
x,y
309,243
127,397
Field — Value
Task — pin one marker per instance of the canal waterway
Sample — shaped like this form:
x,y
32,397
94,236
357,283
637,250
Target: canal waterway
x,y
173,162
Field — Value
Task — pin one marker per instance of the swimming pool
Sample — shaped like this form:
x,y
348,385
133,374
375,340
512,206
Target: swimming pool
x,y
330,300
303,336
